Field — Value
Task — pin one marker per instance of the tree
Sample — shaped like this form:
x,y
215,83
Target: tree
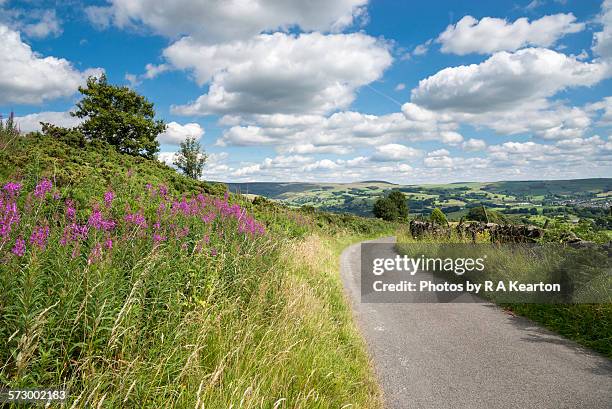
x,y
119,116
438,217
399,199
480,214
384,208
9,127
191,158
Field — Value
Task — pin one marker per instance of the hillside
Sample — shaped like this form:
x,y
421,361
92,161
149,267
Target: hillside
x,y
513,197
131,285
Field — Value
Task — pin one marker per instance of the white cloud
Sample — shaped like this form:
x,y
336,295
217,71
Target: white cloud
x,y
505,80
327,134
474,145
605,107
394,152
31,122
48,25
602,40
245,136
33,22
176,133
451,137
493,34
279,73
217,21
309,148
28,78
325,164
400,87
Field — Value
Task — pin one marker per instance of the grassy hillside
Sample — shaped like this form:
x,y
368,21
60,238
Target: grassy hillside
x,y
131,285
453,198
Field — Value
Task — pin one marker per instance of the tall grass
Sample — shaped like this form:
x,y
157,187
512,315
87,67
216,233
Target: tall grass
x,y
144,298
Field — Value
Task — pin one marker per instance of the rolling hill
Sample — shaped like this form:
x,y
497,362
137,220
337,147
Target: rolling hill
x,y
453,198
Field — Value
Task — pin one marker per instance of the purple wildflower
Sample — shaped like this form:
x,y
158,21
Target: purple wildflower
x,y
108,198
12,188
70,210
39,236
19,248
42,188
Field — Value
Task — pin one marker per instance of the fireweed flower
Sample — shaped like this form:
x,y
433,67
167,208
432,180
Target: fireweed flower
x,y
98,222
12,188
108,198
70,210
42,188
19,247
9,217
39,236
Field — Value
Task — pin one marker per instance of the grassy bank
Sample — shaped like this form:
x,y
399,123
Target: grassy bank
x,y
138,287
572,314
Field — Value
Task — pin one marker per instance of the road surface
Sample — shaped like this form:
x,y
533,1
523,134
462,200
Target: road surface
x,y
434,355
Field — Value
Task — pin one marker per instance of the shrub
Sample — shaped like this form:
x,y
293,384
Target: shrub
x,y
384,208
438,217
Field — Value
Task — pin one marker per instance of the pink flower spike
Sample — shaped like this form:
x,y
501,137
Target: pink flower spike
x,y
19,248
108,198
42,188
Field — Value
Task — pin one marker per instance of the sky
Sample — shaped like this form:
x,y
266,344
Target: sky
x,y
335,90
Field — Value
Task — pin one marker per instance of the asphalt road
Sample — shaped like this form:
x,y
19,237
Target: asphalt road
x,y
473,355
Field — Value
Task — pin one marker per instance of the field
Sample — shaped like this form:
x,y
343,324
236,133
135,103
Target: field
x,y
523,201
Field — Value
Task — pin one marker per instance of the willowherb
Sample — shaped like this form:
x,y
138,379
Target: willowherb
x,y
184,222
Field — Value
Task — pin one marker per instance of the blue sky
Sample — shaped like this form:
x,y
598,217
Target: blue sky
x,y
346,90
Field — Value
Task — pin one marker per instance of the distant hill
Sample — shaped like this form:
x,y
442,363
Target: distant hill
x,y
513,197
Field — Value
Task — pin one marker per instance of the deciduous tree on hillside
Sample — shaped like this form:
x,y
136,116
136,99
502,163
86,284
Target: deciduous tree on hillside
x,y
191,158
119,116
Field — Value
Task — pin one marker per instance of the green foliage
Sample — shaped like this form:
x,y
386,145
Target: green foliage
x,y
438,217
88,167
480,214
386,209
120,117
191,158
8,128
399,199
393,207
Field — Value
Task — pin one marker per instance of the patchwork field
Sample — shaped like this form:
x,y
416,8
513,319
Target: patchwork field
x,y
572,199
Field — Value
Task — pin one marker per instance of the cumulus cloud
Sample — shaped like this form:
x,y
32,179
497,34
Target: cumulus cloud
x,y
451,137
176,133
394,152
48,25
331,133
505,80
29,78
494,34
31,122
474,145
279,73
34,23
602,40
217,21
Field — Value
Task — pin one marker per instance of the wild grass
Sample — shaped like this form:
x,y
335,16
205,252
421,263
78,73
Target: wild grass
x,y
131,294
